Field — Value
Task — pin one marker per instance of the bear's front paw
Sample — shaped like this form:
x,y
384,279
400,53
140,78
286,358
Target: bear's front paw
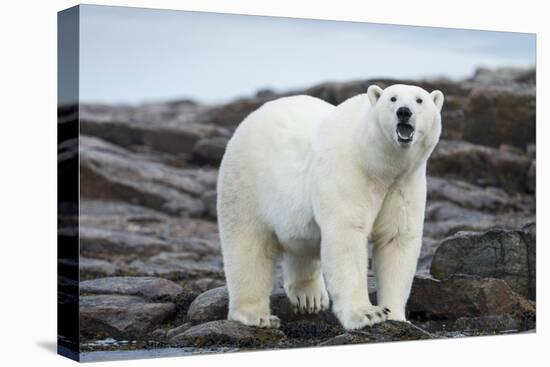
x,y
308,297
364,316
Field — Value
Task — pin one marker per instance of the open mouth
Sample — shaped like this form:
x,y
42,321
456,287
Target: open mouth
x,y
405,133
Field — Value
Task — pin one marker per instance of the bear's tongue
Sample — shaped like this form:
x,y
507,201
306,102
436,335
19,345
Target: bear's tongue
x,y
405,131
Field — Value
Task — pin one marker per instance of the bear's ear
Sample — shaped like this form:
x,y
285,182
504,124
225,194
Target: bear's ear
x,y
438,98
374,92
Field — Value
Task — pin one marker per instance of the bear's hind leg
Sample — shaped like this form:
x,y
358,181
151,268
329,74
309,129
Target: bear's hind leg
x,y
304,283
250,255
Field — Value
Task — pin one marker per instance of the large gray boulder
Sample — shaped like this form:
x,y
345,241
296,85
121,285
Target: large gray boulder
x,y
502,254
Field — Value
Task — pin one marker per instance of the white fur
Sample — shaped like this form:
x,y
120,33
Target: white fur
x,y
306,182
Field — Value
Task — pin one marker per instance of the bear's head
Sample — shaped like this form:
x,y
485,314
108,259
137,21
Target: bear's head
x,y
407,115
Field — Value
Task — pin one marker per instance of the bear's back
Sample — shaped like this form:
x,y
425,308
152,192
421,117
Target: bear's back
x,y
281,129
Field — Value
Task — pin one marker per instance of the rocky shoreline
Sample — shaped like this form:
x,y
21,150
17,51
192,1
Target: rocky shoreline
x,y
151,270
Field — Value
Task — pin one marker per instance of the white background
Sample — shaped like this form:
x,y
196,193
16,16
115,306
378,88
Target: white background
x,y
28,166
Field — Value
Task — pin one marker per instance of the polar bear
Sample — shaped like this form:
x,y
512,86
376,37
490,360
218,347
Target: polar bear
x,y
307,183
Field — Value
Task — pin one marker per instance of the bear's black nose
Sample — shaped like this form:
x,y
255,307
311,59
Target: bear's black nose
x,y
403,114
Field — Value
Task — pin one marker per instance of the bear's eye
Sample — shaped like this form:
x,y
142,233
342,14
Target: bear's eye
x,y
393,99
419,100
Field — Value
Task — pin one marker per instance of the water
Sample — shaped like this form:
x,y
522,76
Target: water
x,y
120,355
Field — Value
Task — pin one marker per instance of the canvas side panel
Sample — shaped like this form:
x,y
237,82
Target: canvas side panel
x,y
68,182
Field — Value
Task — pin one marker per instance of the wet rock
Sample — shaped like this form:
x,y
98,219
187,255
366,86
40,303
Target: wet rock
x,y
120,316
147,287
498,115
467,195
180,265
383,332
210,150
492,323
108,172
229,333
480,165
466,296
501,254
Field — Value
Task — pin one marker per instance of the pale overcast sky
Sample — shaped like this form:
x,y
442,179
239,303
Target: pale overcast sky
x,y
132,55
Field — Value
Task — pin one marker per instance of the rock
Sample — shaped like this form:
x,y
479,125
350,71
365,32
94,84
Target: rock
x,y
466,296
501,115
504,76
383,332
159,334
197,234
147,287
171,128
531,151
488,324
90,267
500,254
107,243
178,330
210,150
228,333
480,165
209,306
444,210
121,317
529,232
203,284
467,195
444,218
209,202
108,172
91,209
532,177
180,265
